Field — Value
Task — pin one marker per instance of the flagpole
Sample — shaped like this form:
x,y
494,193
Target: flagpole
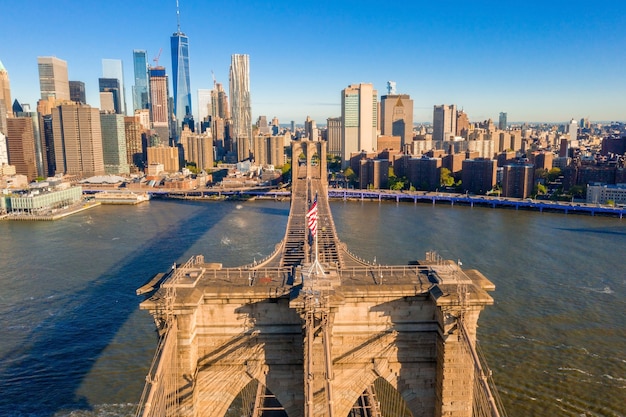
x,y
316,233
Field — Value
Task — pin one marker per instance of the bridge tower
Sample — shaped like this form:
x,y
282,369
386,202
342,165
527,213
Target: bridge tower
x,y
309,160
282,337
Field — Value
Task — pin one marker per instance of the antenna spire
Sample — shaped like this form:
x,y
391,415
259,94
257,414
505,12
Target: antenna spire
x,y
177,17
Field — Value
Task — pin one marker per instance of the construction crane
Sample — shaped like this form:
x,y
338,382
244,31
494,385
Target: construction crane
x,y
156,59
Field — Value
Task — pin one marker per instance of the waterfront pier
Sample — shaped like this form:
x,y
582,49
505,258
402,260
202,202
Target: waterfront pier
x,y
313,330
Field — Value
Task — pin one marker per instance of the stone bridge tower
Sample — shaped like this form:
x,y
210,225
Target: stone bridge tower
x,y
304,334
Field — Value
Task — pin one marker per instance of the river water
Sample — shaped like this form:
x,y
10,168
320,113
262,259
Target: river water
x,y
73,341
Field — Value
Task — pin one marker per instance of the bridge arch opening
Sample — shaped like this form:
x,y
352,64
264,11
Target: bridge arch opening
x,y
302,159
255,399
380,399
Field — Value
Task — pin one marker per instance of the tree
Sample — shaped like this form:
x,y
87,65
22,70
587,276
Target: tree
x,y
333,162
350,176
578,191
396,184
539,189
192,167
541,173
447,180
554,173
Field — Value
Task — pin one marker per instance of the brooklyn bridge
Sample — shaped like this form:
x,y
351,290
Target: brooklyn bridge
x,y
313,330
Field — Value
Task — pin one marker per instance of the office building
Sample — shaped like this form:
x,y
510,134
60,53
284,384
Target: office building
x,y
241,110
164,155
135,149
359,115
114,152
77,140
180,73
334,128
113,69
5,97
310,129
444,122
204,104
112,86
396,112
463,126
53,78
4,113
572,129
502,123
159,103
39,146
107,102
219,102
77,92
141,98
20,140
47,144
4,151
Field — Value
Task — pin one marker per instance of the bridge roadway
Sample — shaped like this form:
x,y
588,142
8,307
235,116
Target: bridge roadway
x,y
331,335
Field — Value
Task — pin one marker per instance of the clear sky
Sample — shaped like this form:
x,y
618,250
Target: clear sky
x,y
544,61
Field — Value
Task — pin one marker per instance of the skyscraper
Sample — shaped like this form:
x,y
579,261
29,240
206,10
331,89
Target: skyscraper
x,y
241,111
159,93
444,122
77,92
396,111
114,144
111,85
113,69
5,98
204,103
21,146
502,124
334,129
134,147
219,102
572,129
140,89
359,115
53,79
5,87
77,140
180,68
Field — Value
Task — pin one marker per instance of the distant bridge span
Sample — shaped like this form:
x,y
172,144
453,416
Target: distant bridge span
x,y
303,335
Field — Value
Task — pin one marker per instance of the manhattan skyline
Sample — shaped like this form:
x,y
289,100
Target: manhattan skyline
x,y
545,62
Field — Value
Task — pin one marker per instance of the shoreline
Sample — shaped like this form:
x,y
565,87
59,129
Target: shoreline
x,y
51,217
433,198
561,207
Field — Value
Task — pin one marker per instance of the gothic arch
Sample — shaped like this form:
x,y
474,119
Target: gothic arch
x,y
244,403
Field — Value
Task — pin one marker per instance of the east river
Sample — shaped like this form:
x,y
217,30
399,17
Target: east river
x,y
73,341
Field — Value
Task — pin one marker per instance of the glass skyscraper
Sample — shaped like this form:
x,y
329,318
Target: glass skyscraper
x,y
141,98
180,81
113,69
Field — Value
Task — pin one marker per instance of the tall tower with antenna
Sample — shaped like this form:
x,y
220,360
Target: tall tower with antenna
x,y
180,77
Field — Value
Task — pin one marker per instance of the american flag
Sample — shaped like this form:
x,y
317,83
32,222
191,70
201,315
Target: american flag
x,y
311,215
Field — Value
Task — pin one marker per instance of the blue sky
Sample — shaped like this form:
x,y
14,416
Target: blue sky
x,y
545,61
